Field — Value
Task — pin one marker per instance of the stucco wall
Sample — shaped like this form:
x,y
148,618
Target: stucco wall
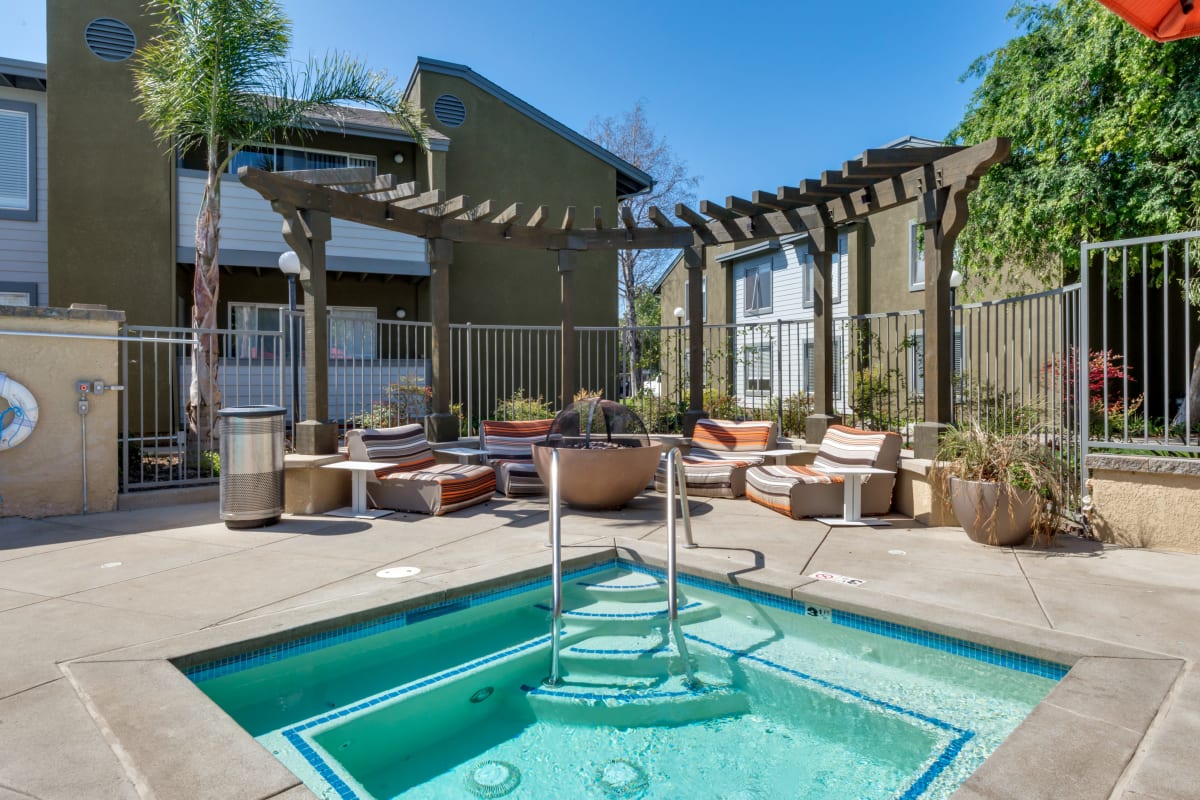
x,y
498,153
43,476
111,187
1140,501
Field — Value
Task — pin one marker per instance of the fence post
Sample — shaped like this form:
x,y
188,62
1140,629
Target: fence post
x,y
1081,374
778,382
468,406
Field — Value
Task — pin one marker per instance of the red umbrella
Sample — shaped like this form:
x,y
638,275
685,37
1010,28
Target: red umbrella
x,y
1161,20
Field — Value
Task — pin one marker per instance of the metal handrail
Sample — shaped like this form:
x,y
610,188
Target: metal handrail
x,y
675,477
555,570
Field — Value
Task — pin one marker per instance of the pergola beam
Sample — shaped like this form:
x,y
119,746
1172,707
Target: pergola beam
x,y
907,156
423,200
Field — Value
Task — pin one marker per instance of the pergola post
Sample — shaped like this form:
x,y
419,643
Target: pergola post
x,y
306,232
943,212
822,245
693,259
440,425
567,261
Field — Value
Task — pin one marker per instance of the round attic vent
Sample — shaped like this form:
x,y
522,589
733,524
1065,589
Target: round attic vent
x,y
109,39
450,110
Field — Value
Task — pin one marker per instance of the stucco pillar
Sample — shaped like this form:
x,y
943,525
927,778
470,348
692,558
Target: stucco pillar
x,y
440,425
822,245
567,261
693,259
306,232
943,212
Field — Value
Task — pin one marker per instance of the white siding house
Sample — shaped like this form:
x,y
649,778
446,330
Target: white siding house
x,y
773,314
24,262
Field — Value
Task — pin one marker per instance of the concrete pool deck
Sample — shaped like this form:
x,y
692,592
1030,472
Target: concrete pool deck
x,y
90,605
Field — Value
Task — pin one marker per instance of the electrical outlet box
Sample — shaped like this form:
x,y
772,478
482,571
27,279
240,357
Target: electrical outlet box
x,y
83,407
83,387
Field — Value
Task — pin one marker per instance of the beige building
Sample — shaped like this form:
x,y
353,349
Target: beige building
x,y
121,210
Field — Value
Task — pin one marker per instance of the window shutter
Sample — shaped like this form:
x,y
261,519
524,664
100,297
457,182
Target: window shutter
x,y
14,160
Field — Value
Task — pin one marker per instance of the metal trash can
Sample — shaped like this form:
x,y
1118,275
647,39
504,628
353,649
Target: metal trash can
x,y
251,441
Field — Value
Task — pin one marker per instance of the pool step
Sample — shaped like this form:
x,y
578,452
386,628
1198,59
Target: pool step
x,y
631,617
669,702
626,587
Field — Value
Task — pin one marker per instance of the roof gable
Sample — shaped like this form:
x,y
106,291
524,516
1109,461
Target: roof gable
x,y
630,179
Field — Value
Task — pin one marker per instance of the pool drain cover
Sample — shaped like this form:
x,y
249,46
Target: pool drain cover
x,y
492,779
398,572
621,778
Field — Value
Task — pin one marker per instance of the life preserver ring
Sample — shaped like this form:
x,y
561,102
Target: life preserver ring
x,y
20,418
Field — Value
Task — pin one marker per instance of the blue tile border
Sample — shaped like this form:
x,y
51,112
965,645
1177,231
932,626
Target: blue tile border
x,y
314,758
943,760
319,641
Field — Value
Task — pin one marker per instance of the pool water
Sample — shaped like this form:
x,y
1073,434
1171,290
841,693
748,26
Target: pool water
x,y
793,700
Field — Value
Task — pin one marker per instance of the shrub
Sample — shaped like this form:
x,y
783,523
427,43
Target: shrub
x,y
402,403
522,406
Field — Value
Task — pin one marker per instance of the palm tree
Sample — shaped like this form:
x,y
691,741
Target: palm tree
x,y
215,79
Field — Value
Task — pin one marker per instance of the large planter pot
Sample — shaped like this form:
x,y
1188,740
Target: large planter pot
x,y
990,516
602,478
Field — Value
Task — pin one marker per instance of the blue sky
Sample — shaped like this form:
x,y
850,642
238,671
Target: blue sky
x,y
751,95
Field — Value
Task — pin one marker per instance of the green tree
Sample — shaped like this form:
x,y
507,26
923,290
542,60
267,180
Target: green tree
x,y
646,306
215,78
1105,129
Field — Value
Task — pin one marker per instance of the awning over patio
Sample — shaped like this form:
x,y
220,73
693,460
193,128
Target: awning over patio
x,y
1161,20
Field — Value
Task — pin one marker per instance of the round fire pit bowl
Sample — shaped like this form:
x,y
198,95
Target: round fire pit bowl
x,y
605,457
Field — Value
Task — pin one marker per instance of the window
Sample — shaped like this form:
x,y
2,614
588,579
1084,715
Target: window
x,y
251,321
837,270
687,300
18,293
756,288
18,160
916,360
916,256
810,367
810,290
351,330
758,369
274,158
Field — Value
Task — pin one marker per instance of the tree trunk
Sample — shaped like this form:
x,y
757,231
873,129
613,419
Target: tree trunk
x,y
1181,418
204,395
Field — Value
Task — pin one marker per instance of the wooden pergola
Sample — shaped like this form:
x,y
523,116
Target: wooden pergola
x,y
939,179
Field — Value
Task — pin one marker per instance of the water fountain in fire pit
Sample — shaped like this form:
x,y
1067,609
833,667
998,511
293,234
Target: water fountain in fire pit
x,y
605,456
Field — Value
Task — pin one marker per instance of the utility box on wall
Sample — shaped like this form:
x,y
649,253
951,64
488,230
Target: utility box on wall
x,y
44,475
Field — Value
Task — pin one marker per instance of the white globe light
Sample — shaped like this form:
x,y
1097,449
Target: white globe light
x,y
289,263
678,312
956,279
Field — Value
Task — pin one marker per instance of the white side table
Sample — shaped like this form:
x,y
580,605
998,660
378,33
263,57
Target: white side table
x,y
852,497
780,456
358,489
463,455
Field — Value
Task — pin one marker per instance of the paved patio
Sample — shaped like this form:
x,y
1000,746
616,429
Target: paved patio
x,y
83,589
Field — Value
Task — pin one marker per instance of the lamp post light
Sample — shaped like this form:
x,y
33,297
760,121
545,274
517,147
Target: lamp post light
x,y
289,264
956,279
678,355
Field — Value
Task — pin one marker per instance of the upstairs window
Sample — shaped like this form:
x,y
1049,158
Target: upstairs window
x,y
18,160
837,270
756,288
916,257
276,158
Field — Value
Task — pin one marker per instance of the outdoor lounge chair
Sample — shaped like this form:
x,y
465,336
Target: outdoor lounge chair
x,y
801,491
716,464
417,482
509,448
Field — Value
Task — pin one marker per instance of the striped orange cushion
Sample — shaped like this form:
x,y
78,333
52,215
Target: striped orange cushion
x,y
513,438
717,438
405,445
849,447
